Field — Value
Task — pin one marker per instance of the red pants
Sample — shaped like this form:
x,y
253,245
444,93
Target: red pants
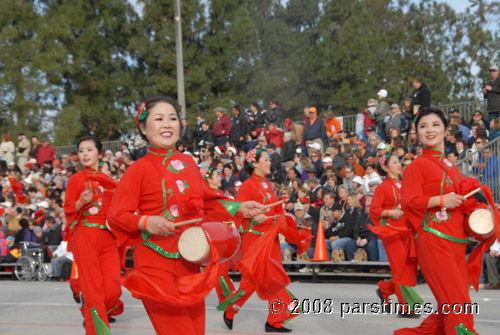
x,y
395,248
169,319
247,285
442,263
96,255
223,273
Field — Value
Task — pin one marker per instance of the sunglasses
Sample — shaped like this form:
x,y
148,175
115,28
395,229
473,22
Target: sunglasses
x,y
479,142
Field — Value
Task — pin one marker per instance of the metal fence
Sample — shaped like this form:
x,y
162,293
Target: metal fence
x,y
114,146
482,164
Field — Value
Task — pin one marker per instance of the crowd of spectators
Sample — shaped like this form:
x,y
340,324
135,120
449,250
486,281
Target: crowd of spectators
x,y
327,173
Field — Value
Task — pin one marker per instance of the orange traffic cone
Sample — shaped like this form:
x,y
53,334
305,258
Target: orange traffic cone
x,y
320,247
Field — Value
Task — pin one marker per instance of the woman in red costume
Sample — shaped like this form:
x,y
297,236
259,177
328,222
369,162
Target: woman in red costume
x,y
391,226
93,245
225,286
431,200
258,188
162,188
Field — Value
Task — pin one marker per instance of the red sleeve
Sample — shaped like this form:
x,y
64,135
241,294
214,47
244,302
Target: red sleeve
x,y
413,200
377,204
73,191
121,213
227,125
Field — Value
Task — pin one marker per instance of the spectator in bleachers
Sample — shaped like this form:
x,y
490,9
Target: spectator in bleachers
x,y
451,138
338,161
186,136
206,135
22,152
421,97
492,93
406,109
362,236
46,152
221,127
314,130
52,236
382,111
349,175
487,166
494,128
370,174
239,127
257,119
353,161
274,135
340,231
452,156
332,126
396,120
289,147
60,257
7,148
368,118
371,148
275,113
461,146
477,117
297,131
311,210
343,192
457,120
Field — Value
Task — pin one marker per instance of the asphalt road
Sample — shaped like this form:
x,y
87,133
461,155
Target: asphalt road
x,y
37,308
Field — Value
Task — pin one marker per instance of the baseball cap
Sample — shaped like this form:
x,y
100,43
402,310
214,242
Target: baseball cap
x,y
315,146
313,180
298,207
371,128
336,207
394,106
382,93
381,146
494,68
329,151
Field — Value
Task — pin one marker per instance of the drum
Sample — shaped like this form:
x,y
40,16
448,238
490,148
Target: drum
x,y
195,242
479,225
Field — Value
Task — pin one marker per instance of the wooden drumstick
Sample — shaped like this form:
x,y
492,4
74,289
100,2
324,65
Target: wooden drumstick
x,y
472,192
183,223
263,209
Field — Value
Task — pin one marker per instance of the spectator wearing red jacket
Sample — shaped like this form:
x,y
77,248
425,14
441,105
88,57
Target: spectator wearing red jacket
x,y
274,135
46,152
221,127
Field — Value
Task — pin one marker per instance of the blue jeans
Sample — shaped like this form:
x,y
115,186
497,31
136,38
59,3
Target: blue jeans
x,y
340,243
382,256
310,252
371,250
286,246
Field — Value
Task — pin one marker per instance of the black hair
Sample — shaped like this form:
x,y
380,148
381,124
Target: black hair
x,y
151,102
94,139
249,168
237,108
380,168
427,111
23,223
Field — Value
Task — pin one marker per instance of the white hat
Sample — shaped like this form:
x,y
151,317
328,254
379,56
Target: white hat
x,y
6,204
316,146
381,146
357,179
382,93
44,204
327,160
32,207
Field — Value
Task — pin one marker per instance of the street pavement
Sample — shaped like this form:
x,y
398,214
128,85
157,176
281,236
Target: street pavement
x,y
38,308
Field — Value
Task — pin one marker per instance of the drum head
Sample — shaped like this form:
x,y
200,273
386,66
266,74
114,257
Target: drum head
x,y
481,221
193,245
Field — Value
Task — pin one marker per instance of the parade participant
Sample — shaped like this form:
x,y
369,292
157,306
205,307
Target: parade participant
x,y
431,201
94,247
258,188
391,227
225,286
162,188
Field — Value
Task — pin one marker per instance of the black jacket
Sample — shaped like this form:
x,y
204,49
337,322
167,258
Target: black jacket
x,y
186,136
421,96
360,229
239,128
341,228
493,96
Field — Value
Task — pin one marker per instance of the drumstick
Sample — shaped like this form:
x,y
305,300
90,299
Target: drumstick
x,y
472,192
263,209
183,223
272,205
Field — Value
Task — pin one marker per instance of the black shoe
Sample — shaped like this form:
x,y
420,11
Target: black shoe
x,y
387,308
75,296
228,322
111,319
272,329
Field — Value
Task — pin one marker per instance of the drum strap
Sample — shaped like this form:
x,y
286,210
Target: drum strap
x,y
170,182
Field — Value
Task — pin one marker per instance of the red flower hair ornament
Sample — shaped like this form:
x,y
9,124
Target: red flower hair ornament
x,y
141,113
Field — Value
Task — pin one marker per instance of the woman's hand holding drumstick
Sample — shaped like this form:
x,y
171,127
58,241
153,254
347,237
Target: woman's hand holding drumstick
x,y
156,224
263,209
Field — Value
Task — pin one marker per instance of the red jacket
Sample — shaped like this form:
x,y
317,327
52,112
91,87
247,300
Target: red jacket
x,y
47,153
222,126
274,136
